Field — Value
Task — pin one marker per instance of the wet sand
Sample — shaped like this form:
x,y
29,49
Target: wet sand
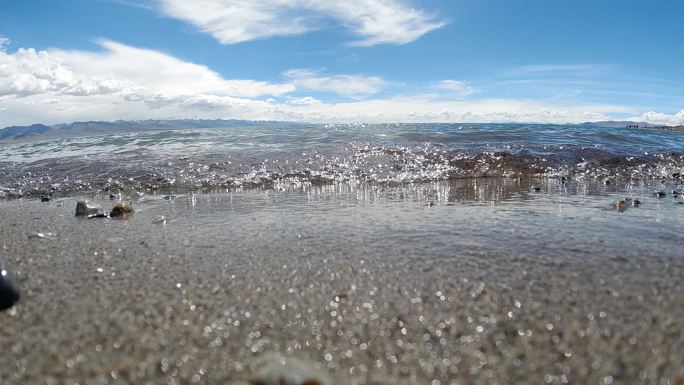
x,y
370,287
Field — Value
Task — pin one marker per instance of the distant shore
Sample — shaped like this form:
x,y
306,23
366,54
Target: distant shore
x,y
659,128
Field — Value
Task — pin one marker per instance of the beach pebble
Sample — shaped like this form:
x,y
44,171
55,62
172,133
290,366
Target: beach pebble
x,y
122,209
659,193
621,204
9,293
275,369
45,198
536,188
88,209
48,236
160,220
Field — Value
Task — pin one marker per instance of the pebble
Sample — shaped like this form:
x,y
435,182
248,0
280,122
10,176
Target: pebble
x,y
88,209
659,193
536,188
275,369
160,220
9,293
122,209
621,204
49,236
45,198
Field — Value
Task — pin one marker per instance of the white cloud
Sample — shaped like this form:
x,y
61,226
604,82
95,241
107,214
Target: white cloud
x,y
235,21
305,101
4,42
455,87
123,82
346,85
660,118
121,70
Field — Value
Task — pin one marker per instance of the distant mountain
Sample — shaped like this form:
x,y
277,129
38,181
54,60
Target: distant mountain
x,y
24,132
93,128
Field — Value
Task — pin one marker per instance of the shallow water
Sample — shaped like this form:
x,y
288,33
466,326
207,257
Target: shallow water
x,y
463,281
293,156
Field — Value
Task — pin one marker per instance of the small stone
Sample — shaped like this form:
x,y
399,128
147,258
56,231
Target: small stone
x,y
122,209
536,188
676,175
636,202
88,209
430,204
45,198
9,293
48,236
279,370
621,204
160,220
676,193
660,193
607,181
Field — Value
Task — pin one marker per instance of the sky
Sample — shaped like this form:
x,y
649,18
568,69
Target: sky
x,y
342,61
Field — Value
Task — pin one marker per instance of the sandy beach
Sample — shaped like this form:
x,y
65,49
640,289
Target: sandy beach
x,y
366,287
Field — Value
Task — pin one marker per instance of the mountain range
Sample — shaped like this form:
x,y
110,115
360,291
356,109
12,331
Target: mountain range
x,y
94,128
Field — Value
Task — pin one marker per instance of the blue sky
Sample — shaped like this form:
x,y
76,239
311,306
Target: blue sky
x,y
368,60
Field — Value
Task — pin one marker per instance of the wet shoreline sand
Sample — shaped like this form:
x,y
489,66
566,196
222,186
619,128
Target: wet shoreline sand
x,y
372,287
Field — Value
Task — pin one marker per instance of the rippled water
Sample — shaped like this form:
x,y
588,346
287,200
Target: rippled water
x,y
396,154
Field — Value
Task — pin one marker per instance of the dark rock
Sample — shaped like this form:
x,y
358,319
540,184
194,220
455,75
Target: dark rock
x,y
636,203
9,293
660,193
45,198
536,188
122,209
88,209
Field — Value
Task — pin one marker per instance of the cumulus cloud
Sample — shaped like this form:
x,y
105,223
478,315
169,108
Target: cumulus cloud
x,y
121,70
346,85
660,118
235,21
123,82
